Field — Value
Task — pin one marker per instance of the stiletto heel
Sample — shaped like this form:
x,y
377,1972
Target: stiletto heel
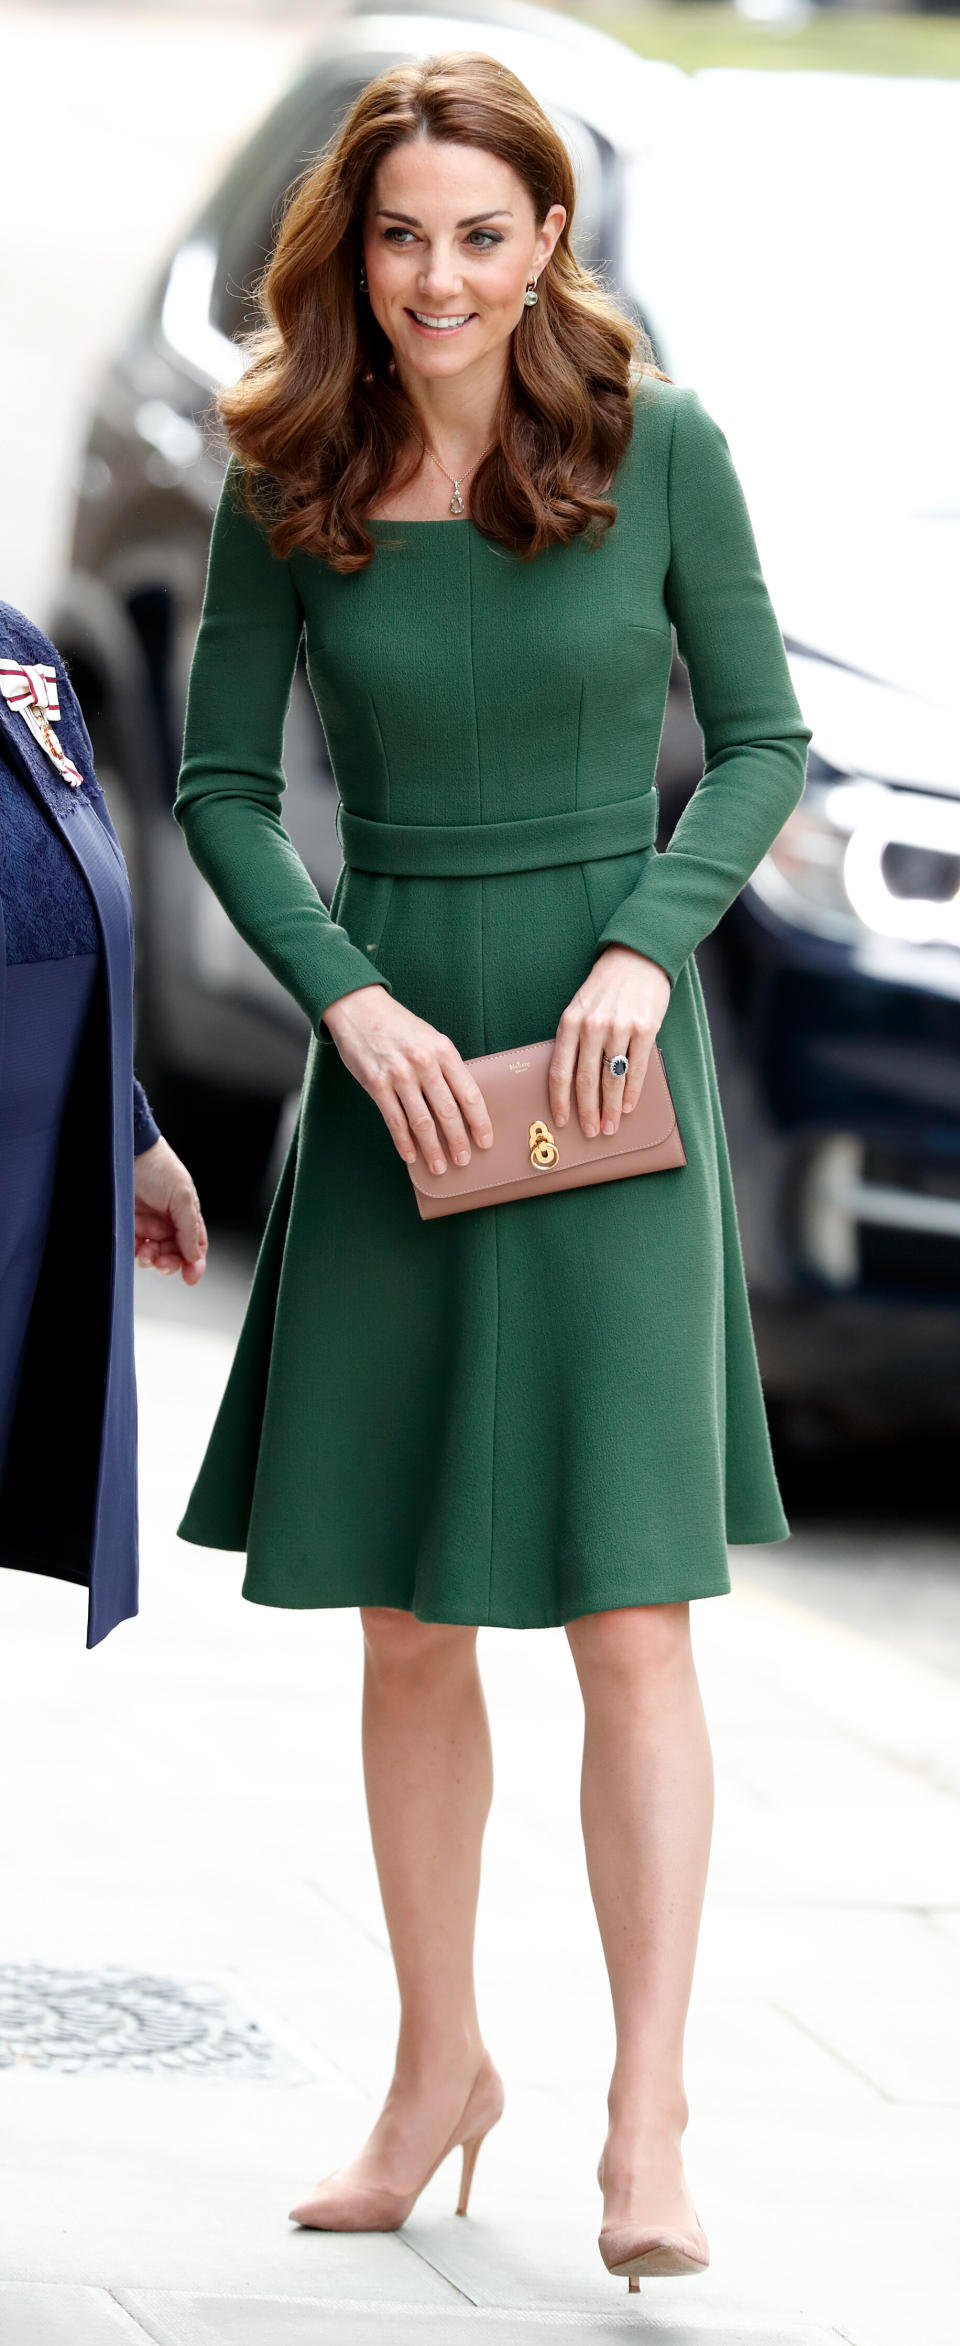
x,y
470,2150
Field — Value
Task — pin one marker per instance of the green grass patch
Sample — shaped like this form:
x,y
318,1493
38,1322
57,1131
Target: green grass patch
x,y
835,40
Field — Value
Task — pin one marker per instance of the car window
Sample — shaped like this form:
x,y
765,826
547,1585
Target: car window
x,y
249,232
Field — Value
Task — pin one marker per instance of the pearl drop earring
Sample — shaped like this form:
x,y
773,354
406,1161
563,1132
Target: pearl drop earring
x,y
363,278
531,295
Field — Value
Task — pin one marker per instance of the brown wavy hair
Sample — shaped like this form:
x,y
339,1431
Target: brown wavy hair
x,y
319,418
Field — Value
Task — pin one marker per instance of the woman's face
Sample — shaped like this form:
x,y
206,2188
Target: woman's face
x,y
450,242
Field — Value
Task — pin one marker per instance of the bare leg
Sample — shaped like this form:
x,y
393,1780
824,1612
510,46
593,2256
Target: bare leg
x,y
647,1795
429,1781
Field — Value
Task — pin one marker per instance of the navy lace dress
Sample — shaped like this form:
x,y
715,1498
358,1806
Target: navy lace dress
x,y
52,964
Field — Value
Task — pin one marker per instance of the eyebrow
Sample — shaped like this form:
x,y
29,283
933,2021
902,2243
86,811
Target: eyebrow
x,y
497,213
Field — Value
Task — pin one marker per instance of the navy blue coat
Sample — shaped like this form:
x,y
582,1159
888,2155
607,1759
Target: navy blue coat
x,y
68,1494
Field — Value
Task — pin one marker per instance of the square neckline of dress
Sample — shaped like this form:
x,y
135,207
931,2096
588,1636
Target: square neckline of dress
x,y
385,521
400,521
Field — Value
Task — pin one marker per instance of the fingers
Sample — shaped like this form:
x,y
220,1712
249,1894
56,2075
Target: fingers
x,y
150,1224
420,1123
587,1079
173,1238
563,1063
471,1098
394,1119
621,1092
431,1102
631,1085
620,1007
434,1116
152,1255
459,1109
579,1071
427,1096
188,1224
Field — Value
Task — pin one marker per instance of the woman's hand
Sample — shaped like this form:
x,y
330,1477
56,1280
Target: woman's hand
x,y
170,1232
425,1093
620,1006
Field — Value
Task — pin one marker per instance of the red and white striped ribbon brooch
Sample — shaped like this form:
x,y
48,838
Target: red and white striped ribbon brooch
x,y
33,693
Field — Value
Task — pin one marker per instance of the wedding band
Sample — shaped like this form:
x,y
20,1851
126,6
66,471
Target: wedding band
x,y
619,1065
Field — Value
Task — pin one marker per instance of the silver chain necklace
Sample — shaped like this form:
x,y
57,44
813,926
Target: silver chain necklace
x,y
457,505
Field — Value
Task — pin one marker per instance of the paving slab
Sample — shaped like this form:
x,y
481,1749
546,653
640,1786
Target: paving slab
x,y
542,2261
909,2050
754,1947
186,2184
234,2321
41,2315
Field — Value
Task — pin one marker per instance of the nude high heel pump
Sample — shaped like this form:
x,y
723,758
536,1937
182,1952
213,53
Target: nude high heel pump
x,y
632,2250
361,2207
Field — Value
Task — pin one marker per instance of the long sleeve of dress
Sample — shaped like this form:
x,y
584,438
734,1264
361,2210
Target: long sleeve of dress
x,y
755,740
231,779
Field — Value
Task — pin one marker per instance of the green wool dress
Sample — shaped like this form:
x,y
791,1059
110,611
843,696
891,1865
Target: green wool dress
x,y
548,1407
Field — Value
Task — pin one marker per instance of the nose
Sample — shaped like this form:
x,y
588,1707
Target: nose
x,y
440,276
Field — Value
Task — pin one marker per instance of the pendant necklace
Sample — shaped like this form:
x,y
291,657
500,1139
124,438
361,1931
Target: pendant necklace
x,y
457,505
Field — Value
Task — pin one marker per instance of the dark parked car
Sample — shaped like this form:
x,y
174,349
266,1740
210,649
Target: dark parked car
x,y
832,984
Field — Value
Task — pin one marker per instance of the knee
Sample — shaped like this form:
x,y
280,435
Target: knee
x,y
636,1642
395,1641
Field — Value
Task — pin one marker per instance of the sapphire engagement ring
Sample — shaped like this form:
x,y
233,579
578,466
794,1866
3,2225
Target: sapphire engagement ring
x,y
619,1065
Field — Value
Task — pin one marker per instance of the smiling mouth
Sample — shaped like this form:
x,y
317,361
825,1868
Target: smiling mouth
x,y
432,324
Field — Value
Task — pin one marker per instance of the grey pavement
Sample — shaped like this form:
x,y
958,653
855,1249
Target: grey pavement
x,y
188,1811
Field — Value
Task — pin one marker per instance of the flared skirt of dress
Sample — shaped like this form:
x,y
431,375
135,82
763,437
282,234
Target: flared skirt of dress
x,y
514,1415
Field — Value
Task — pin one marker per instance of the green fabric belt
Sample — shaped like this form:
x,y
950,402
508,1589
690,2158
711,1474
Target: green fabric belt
x,y
462,851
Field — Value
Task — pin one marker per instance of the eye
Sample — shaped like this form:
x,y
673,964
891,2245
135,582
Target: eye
x,y
489,236
392,235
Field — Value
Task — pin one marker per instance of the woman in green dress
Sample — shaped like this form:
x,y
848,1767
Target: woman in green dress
x,y
455,468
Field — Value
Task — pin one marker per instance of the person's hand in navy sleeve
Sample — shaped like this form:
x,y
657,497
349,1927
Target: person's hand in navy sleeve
x,y
170,1232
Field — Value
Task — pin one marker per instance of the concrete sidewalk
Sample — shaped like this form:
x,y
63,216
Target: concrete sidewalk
x,y
185,1813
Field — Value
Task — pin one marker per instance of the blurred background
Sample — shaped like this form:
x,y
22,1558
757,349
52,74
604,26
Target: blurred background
x,y
772,187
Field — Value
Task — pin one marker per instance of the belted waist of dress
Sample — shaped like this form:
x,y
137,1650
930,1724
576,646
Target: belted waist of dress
x,y
462,851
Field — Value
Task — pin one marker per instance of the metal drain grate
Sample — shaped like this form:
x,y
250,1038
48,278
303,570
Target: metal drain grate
x,y
114,2019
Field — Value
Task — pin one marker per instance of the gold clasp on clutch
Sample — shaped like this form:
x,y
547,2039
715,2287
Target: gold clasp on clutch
x,y
544,1152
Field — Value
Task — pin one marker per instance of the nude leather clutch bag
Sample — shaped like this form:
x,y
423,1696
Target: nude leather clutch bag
x,y
528,1156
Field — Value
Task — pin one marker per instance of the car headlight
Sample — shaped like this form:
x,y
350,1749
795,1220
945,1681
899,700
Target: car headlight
x,y
857,856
